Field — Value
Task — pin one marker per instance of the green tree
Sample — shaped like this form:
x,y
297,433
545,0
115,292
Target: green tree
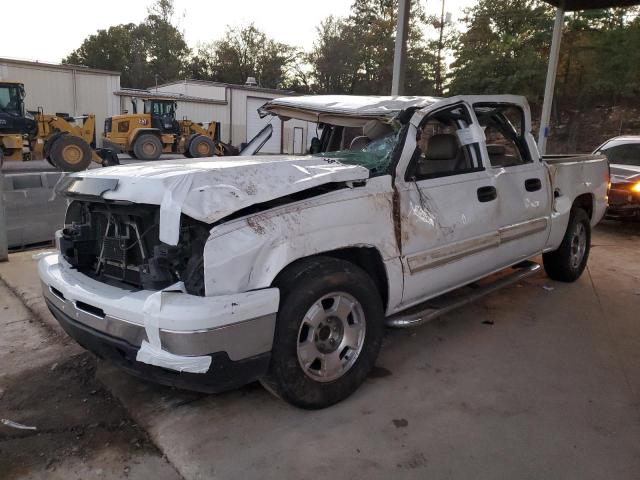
x,y
599,58
504,49
120,48
244,52
355,54
153,49
334,57
167,50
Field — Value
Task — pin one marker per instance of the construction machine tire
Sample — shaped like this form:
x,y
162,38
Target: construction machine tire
x,y
202,146
147,147
187,143
70,154
1,159
132,154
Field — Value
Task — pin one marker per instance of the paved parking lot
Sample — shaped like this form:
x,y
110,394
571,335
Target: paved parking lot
x,y
541,380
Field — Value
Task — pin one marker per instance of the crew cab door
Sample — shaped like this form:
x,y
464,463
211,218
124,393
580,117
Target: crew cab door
x,y
521,181
447,202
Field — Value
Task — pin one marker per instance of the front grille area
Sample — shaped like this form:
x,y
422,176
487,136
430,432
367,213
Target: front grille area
x,y
119,244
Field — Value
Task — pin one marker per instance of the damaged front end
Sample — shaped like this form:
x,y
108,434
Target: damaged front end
x,y
119,244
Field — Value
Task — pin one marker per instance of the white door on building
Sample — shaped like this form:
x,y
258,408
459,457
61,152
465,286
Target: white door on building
x,y
255,124
298,141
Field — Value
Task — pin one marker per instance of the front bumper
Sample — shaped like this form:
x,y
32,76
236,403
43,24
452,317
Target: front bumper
x,y
623,204
235,330
224,374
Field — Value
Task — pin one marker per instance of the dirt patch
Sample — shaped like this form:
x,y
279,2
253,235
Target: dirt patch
x,y
81,430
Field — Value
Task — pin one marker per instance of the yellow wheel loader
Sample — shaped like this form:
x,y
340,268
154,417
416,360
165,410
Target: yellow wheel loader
x,y
147,135
65,142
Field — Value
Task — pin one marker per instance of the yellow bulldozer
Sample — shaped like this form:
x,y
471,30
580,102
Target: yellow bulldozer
x,y
65,142
148,135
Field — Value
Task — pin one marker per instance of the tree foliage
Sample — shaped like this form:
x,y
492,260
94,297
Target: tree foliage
x,y
154,50
504,49
501,46
244,52
355,54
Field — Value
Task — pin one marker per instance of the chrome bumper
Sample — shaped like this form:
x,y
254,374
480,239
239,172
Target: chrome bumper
x,y
79,297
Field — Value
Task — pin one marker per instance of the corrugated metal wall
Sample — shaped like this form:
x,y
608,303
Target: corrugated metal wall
x,y
59,89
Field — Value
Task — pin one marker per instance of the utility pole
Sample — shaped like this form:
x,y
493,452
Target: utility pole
x,y
400,53
549,87
439,69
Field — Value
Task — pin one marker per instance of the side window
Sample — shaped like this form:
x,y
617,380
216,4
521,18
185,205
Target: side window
x,y
445,146
503,126
625,154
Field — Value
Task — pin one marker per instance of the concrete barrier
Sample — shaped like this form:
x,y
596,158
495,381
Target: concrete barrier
x,y
32,211
4,252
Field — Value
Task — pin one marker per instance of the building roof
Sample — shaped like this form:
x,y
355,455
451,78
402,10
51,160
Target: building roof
x,y
58,66
141,93
230,85
571,5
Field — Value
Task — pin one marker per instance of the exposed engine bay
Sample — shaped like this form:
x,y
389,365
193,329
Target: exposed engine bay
x,y
119,244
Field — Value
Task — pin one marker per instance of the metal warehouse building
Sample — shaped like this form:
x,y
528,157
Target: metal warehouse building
x,y
77,90
65,88
235,108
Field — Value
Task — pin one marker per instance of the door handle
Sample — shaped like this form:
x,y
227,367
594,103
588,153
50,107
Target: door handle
x,y
532,184
486,194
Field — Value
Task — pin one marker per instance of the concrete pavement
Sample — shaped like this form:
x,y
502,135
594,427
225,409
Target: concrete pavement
x,y
541,380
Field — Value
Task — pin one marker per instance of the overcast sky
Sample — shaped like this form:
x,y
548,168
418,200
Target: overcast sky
x,y
49,30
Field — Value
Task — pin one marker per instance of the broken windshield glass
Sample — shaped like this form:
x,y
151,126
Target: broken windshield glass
x,y
376,155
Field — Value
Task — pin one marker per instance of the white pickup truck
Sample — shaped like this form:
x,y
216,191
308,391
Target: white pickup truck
x,y
211,273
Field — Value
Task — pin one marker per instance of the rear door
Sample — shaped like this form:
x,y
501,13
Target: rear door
x,y
522,182
447,203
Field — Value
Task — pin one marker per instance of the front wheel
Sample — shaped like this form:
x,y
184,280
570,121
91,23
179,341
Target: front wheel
x,y
328,332
567,263
201,146
70,153
147,146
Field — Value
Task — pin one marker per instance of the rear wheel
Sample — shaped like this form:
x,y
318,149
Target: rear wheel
x,y
70,153
147,147
201,146
1,159
328,332
567,263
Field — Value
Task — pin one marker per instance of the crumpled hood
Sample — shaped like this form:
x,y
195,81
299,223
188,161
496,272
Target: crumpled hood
x,y
213,188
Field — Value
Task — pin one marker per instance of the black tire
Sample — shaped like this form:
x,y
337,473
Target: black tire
x,y
1,159
303,286
567,263
147,146
187,142
132,154
202,146
70,153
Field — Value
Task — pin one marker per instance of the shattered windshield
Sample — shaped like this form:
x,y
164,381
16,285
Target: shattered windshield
x,y
376,155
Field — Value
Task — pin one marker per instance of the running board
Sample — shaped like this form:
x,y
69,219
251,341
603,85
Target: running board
x,y
438,306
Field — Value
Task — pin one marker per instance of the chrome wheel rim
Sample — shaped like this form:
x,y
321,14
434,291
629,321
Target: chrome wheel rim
x,y
578,245
331,337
